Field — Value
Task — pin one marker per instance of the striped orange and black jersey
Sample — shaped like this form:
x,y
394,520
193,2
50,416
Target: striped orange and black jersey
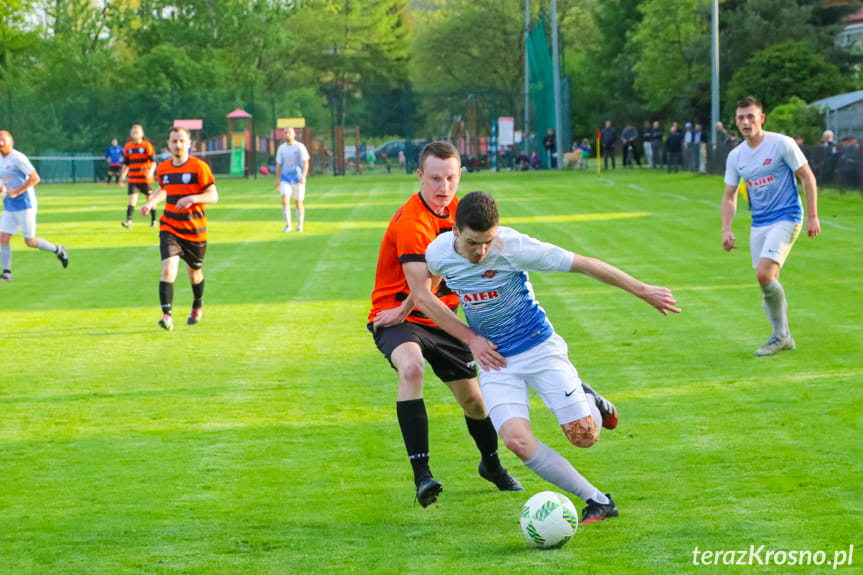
x,y
411,230
193,177
140,159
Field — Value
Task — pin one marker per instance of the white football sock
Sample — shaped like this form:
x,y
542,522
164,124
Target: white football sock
x,y
776,307
286,214
554,468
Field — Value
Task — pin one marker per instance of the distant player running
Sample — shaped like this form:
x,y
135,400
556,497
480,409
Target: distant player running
x,y
487,265
139,164
768,164
292,167
17,178
186,184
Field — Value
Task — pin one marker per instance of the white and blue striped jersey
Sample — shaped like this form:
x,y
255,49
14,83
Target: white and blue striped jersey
x,y
15,168
496,293
769,174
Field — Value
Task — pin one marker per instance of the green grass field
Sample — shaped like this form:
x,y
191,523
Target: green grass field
x,y
264,439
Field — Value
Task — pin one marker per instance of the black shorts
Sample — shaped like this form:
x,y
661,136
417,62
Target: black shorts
x,y
191,252
449,358
143,188
114,169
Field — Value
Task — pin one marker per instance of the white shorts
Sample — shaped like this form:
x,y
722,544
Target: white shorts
x,y
296,191
547,369
773,242
25,220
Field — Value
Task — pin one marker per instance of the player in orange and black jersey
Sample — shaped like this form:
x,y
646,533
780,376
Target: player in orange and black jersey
x,y
186,184
408,339
139,163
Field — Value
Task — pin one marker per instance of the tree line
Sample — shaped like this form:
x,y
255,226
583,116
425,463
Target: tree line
x,y
73,72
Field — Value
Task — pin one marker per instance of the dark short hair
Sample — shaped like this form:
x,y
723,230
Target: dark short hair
x,y
477,211
179,129
440,150
749,101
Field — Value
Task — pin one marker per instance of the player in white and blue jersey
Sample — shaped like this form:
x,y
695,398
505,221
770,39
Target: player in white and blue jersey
x,y
514,342
17,178
292,167
769,163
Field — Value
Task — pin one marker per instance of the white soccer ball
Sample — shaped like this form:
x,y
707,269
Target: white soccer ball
x,y
549,519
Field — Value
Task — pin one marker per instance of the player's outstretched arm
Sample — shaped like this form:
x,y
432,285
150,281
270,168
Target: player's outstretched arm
x,y
729,209
420,281
657,296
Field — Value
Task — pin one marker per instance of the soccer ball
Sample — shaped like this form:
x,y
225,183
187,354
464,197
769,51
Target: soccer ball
x,y
548,519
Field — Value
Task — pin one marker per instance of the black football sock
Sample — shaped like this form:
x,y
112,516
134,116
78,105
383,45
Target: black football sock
x,y
153,216
198,295
129,211
166,296
414,424
485,437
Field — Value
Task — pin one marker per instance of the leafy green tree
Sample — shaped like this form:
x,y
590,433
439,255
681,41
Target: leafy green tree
x,y
671,68
781,71
797,119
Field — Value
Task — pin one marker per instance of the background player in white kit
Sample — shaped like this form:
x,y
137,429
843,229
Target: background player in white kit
x,y
17,178
292,167
768,163
487,265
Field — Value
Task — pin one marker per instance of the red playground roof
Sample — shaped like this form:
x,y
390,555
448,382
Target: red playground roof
x,y
189,124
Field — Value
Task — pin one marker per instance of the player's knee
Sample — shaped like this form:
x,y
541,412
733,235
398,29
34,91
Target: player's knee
x,y
411,373
519,443
581,433
31,242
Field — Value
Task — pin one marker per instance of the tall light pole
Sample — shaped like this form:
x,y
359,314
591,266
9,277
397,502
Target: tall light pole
x,y
526,77
714,76
555,62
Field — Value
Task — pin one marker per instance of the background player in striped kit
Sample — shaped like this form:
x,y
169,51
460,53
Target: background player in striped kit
x,y
186,185
487,265
139,164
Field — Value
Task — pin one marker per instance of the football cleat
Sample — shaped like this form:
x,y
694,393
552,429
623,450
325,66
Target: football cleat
x,y
606,408
288,229
63,256
126,224
167,322
774,345
195,316
427,491
598,511
501,478
6,277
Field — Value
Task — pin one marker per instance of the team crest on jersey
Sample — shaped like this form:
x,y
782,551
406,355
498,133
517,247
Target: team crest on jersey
x,y
767,162
187,178
489,274
165,180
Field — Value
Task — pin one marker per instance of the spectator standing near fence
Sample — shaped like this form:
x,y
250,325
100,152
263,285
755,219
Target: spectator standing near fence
x,y
607,140
674,149
629,139
656,141
549,142
647,143
770,164
17,180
